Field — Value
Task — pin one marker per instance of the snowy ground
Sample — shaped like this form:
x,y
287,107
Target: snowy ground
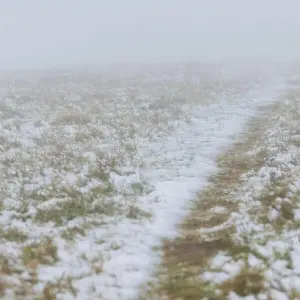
x,y
97,167
268,216
241,238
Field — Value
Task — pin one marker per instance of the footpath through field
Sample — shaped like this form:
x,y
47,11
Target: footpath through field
x,y
241,239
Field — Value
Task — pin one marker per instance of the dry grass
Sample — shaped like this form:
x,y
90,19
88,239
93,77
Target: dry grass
x,y
44,252
13,235
249,281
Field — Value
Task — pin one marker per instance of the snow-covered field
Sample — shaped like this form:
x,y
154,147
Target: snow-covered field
x,y
241,237
98,166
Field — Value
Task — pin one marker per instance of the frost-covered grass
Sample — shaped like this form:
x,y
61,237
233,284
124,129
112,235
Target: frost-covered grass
x,y
241,238
96,167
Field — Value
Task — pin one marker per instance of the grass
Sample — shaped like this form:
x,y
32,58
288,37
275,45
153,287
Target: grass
x,y
71,233
44,252
249,281
13,235
5,267
276,198
135,212
64,212
51,290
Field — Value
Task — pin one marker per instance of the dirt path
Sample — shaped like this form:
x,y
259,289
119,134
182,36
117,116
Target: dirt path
x,y
223,249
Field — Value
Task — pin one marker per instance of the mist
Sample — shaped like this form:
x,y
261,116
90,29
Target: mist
x,y
42,34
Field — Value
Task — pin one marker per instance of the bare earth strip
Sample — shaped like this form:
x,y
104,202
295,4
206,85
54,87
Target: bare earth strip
x,y
241,239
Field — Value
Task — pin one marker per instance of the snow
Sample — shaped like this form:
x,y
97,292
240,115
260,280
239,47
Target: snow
x,y
175,167
131,266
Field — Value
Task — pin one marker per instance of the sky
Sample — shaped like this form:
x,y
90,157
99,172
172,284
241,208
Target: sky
x,y
41,33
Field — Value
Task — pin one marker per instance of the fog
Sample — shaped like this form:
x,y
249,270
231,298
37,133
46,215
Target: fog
x,y
40,33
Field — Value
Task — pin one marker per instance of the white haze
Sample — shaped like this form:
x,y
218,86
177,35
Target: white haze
x,y
40,33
